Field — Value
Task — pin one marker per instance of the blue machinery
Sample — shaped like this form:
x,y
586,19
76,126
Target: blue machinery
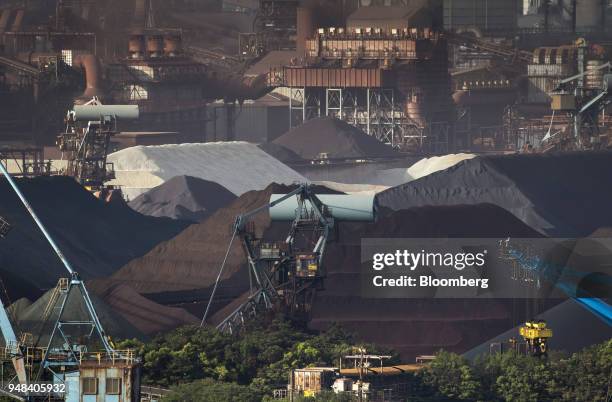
x,y
65,351
286,274
568,284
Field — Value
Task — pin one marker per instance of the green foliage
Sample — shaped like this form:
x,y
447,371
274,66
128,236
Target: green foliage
x,y
452,377
212,391
525,378
324,349
585,376
192,353
202,364
263,354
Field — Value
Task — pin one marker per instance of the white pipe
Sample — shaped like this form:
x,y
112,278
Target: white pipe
x,y
343,207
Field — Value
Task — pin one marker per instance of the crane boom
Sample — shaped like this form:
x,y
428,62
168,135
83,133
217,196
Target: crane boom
x,y
311,215
12,345
75,280
42,228
597,306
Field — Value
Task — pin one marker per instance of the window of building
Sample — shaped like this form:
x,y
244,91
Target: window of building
x,y
136,92
113,386
90,386
67,56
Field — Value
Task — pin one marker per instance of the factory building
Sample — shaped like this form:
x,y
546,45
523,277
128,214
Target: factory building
x,y
485,15
258,121
385,72
164,83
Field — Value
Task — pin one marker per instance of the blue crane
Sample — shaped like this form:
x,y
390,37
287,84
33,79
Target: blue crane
x,y
549,271
69,352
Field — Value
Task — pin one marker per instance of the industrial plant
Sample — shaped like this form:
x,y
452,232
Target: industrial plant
x,y
257,200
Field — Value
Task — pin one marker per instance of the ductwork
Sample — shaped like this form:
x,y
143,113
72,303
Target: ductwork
x,y
93,76
235,87
4,20
470,29
18,20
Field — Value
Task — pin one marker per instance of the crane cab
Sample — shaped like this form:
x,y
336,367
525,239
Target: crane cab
x,y
536,334
307,265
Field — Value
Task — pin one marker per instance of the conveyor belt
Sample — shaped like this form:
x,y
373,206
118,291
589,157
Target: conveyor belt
x,y
19,66
503,51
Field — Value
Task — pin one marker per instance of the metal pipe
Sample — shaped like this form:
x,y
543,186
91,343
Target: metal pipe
x,y
4,19
18,20
343,207
93,74
42,228
95,112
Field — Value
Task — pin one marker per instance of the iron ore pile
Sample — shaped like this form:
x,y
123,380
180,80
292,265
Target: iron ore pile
x,y
208,163
183,198
151,264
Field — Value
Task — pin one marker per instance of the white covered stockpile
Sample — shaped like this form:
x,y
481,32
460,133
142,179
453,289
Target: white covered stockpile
x,y
237,166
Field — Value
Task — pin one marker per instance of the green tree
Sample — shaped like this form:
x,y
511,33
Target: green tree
x,y
187,354
585,376
209,390
451,376
525,379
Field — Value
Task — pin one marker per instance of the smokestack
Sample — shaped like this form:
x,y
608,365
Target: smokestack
x,y
305,28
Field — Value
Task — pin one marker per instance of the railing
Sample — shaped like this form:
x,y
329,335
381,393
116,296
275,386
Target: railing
x,y
123,356
152,394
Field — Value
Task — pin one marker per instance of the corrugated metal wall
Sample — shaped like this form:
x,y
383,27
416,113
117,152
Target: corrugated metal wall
x,y
335,77
543,79
487,15
253,123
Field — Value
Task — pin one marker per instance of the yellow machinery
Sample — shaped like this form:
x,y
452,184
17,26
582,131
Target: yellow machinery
x,y
536,334
306,265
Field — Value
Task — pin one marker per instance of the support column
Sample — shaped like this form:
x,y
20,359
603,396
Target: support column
x,y
297,106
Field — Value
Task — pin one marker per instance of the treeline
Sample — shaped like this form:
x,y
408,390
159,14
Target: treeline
x,y
253,362
581,377
201,365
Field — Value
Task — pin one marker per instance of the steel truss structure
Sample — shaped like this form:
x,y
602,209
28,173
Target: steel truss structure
x,y
87,148
282,274
376,111
29,160
70,339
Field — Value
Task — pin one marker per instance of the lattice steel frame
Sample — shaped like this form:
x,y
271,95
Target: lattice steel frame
x,y
304,104
373,110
